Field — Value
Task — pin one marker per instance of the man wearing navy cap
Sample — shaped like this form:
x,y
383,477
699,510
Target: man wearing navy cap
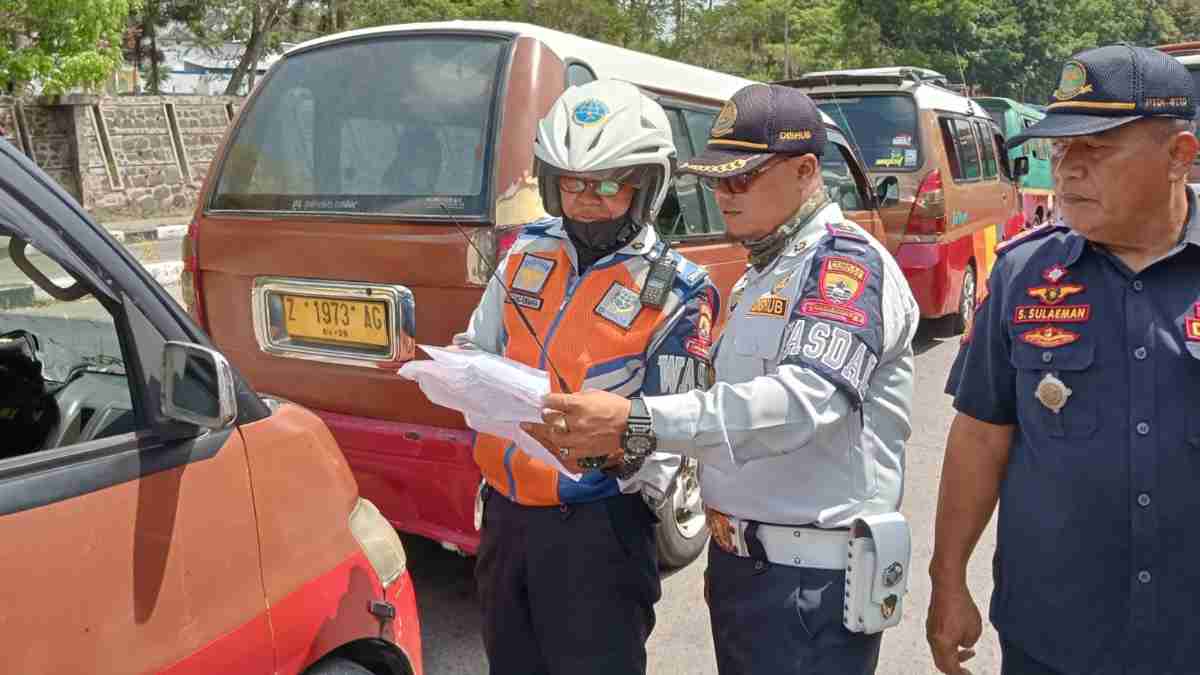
x,y
801,439
1076,391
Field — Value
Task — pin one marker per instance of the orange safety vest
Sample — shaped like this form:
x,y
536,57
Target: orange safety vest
x,y
597,333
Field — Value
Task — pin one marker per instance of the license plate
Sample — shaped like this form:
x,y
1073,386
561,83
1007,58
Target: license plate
x,y
352,322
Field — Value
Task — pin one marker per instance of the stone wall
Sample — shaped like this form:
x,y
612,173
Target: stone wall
x,y
123,157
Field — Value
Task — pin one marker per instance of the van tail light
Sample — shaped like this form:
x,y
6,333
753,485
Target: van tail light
x,y
189,280
379,542
928,215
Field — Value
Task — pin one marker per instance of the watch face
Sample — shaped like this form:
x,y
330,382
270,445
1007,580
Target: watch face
x,y
639,445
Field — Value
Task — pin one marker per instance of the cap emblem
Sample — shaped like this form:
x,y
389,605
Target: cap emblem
x,y
1072,82
723,126
589,112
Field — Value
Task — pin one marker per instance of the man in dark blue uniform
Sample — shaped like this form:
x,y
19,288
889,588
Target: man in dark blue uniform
x,y
1075,392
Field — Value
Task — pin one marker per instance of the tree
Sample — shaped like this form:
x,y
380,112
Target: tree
x,y
60,44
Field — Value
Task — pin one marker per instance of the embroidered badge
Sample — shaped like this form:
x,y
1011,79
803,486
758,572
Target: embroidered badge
x,y
1054,274
1053,314
1049,337
1053,295
1192,324
700,344
532,274
780,285
1072,82
841,282
1052,393
620,305
530,301
723,126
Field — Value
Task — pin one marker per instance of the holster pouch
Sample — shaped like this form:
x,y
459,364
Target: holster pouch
x,y
877,562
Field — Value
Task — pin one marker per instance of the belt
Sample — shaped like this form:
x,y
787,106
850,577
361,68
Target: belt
x,y
792,545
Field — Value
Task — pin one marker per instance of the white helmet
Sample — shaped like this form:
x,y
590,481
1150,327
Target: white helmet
x,y
602,126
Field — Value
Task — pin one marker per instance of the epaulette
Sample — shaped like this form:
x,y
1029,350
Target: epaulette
x,y
688,274
844,230
1027,235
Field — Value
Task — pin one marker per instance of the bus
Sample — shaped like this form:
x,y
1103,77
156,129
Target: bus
x,y
1036,186
346,177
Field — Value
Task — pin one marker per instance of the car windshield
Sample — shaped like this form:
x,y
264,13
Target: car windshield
x,y
384,126
884,128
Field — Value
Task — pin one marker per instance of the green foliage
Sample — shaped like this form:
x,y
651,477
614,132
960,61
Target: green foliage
x,y
1003,47
60,44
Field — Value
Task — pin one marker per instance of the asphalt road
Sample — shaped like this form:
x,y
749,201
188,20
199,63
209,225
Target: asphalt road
x,y
682,642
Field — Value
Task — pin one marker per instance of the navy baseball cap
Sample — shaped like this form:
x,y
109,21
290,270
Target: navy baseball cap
x,y
757,123
1103,88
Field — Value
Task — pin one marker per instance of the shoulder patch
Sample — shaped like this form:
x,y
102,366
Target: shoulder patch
x,y
1028,235
836,326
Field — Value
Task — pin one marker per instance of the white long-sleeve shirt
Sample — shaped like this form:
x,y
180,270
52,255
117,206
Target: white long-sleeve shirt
x,y
808,419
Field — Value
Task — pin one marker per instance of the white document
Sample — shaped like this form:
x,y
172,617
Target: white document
x,y
494,394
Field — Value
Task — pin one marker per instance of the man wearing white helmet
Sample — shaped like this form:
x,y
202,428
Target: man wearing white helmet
x,y
568,571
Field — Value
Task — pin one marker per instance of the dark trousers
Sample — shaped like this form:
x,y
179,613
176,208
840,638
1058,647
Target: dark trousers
x,y
567,590
1014,661
780,620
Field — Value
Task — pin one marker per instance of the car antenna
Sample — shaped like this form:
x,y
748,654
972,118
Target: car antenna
x,y
528,326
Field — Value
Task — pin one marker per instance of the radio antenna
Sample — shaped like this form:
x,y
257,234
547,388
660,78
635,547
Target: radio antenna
x,y
520,313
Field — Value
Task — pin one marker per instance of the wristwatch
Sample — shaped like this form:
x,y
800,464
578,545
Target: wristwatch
x,y
638,441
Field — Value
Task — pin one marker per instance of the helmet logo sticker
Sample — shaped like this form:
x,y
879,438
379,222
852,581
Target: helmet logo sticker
x,y
723,126
589,112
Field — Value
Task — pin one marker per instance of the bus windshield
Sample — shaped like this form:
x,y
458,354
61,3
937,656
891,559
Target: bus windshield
x,y
392,126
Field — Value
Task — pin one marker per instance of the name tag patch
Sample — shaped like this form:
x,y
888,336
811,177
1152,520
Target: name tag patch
x,y
532,274
523,300
620,305
1054,314
770,305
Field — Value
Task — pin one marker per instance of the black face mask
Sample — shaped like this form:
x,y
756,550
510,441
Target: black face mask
x,y
599,238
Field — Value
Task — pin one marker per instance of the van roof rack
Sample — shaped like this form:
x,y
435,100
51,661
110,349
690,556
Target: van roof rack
x,y
894,75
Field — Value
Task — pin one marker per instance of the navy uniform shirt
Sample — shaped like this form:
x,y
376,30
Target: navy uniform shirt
x,y
1097,567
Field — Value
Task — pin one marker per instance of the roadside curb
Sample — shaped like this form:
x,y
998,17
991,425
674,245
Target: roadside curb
x,y
146,234
16,296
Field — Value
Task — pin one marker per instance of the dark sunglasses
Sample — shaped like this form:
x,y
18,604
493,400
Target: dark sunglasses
x,y
736,184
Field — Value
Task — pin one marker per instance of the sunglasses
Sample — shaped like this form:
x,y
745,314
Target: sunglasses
x,y
604,187
736,184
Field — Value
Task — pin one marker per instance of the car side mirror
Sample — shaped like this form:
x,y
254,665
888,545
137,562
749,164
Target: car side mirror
x,y
887,191
197,386
1020,167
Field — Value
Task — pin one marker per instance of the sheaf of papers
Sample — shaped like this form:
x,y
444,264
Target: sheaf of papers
x,y
493,393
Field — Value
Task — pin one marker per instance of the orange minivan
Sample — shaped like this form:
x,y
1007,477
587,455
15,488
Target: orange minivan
x,y
338,198
952,196
159,515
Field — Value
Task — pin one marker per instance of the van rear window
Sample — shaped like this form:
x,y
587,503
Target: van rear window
x,y
884,128
396,126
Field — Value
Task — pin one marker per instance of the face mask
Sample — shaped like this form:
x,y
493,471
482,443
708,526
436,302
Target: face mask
x,y
597,239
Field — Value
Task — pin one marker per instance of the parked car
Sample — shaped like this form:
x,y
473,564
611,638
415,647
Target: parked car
x,y
940,159
1036,186
1188,53
158,514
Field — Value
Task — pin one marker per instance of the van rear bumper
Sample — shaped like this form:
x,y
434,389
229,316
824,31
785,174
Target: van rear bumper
x,y
927,268
423,479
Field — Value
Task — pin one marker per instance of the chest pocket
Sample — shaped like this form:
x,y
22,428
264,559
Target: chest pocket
x,y
762,316
1078,417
